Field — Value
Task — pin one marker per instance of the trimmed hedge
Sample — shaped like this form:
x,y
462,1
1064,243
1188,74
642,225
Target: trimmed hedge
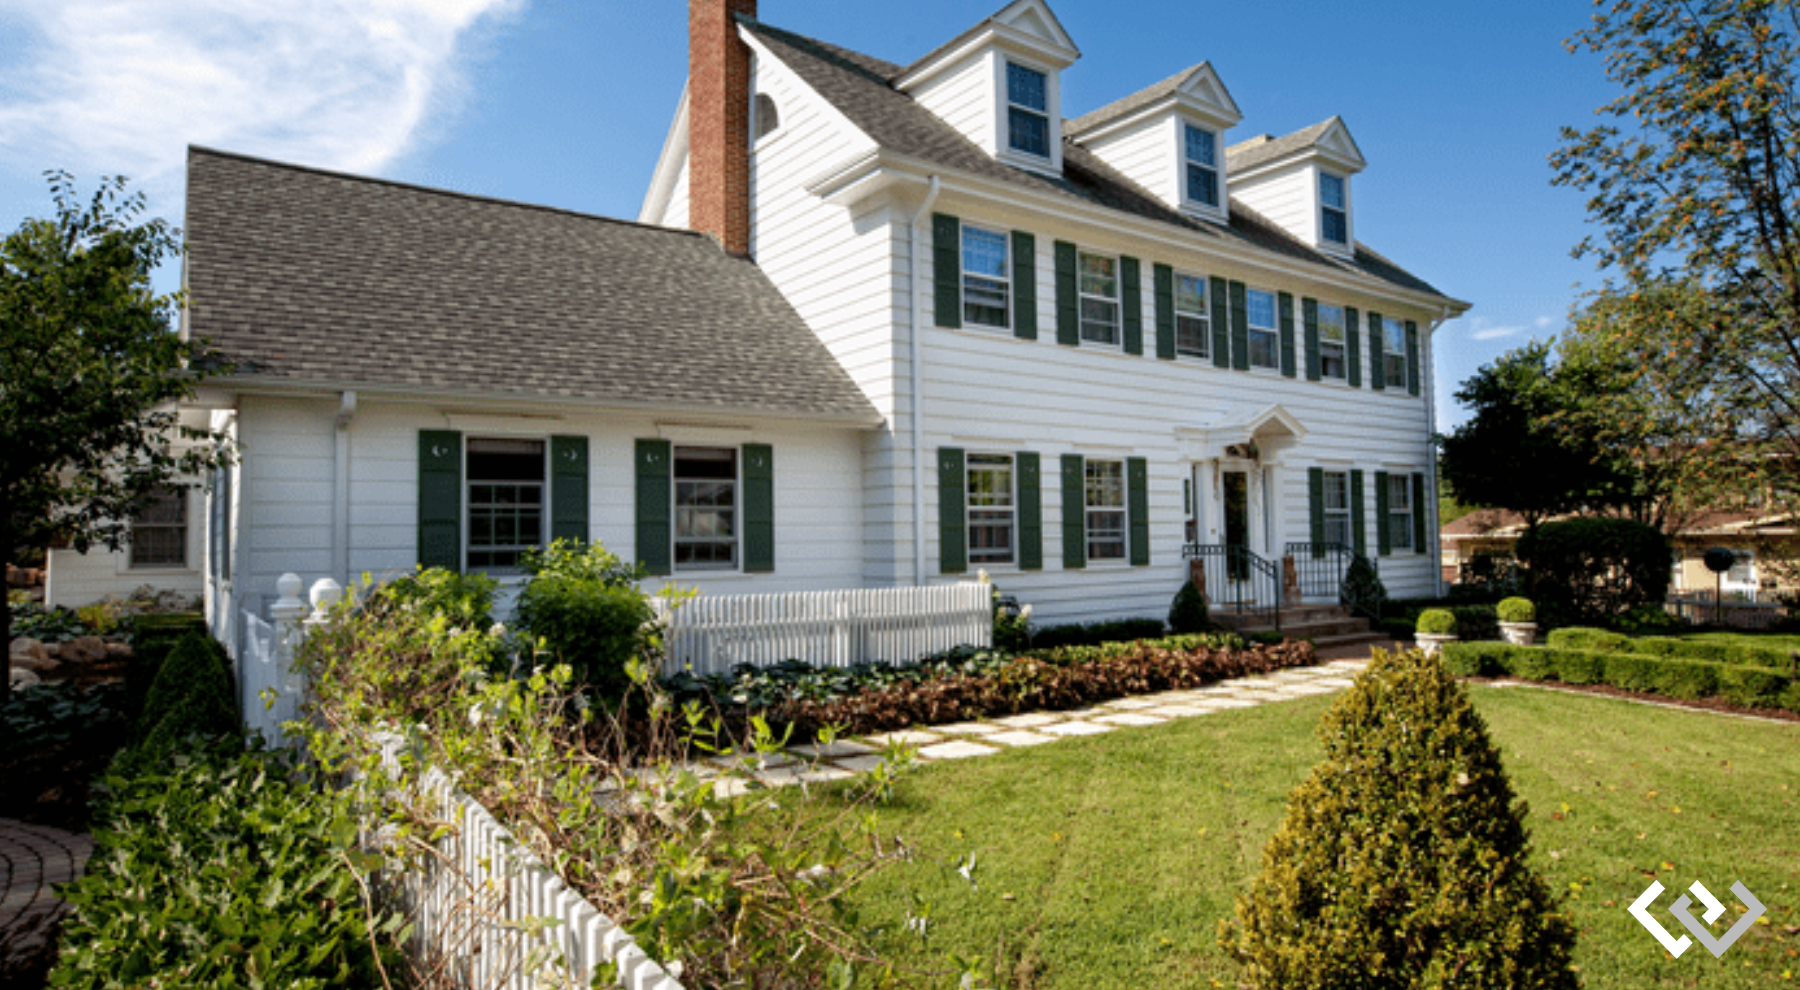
x,y
1579,637
1096,633
1740,684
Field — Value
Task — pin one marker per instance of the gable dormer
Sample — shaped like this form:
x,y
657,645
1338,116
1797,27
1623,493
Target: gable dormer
x,y
1301,182
999,84
1170,139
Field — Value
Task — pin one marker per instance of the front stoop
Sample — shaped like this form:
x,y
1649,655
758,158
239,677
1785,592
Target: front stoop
x,y
1335,633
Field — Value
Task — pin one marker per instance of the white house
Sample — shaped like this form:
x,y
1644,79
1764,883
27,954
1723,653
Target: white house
x,y
934,325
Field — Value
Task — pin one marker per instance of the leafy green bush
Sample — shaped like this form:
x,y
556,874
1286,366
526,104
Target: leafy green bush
x,y
1404,859
1584,638
221,870
1012,622
1476,659
1362,590
1647,619
1187,614
1095,633
53,626
1437,622
153,637
584,605
466,599
1516,609
190,696
1594,569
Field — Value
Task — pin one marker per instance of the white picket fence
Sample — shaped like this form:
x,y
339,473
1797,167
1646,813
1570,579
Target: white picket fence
x,y
711,634
269,688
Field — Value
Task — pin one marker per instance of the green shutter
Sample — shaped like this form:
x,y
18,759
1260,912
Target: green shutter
x,y
1164,277
953,519
1137,500
1412,358
759,508
1031,513
440,499
1384,538
1418,513
1359,533
1240,327
946,254
1068,296
1375,353
1024,248
1315,500
1187,497
1284,304
569,488
1132,284
1074,512
1221,324
654,533
1353,347
1309,321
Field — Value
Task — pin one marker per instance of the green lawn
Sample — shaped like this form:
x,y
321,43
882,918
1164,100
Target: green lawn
x,y
1108,861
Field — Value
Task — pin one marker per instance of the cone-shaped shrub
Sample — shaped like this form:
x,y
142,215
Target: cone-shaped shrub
x,y
1187,613
1403,859
190,696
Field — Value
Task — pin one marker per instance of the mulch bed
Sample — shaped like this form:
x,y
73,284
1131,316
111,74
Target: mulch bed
x,y
1714,704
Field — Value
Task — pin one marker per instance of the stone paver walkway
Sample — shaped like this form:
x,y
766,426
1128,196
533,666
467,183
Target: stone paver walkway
x,y
845,758
33,858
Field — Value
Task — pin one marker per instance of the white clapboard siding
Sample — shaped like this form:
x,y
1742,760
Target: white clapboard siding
x,y
711,634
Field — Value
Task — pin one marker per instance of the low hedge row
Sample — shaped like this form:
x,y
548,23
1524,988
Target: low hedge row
x,y
1740,684
1095,633
1585,638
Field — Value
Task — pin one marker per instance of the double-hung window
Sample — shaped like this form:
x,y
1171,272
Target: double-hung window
x,y
706,503
1260,308
992,509
1393,352
1099,299
986,289
1334,215
1337,508
1193,332
1106,510
1027,110
159,530
505,500
1200,147
1400,511
1332,346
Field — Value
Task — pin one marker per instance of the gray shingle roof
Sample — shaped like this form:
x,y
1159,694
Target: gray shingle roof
x,y
861,87
302,276
1263,148
1130,104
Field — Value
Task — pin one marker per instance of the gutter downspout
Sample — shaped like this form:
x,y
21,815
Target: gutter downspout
x,y
340,506
916,352
1431,497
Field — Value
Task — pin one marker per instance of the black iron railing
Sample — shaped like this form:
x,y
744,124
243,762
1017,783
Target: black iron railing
x,y
1327,571
1239,582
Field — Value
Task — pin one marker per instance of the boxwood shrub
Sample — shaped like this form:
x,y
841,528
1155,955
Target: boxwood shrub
x,y
1095,633
1437,622
1673,677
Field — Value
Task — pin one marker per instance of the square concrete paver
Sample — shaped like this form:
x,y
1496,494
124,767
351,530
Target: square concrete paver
x,y
838,747
1132,704
759,761
1028,720
966,729
1018,737
1130,718
858,764
1230,702
956,750
799,773
1075,729
909,737
1302,690
1182,711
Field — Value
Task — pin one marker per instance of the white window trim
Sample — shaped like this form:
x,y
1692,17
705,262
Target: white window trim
x,y
1007,107
1400,481
1344,357
1347,244
1206,338
1002,102
544,503
1123,508
1006,276
1118,301
1188,202
1328,512
1252,330
1011,509
737,512
1405,367
187,565
1730,584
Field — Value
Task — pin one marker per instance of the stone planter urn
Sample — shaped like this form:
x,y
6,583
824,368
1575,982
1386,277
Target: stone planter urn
x,y
1519,633
1431,643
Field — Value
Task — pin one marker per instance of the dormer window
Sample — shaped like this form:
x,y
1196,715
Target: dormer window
x,y
1028,110
1202,148
1334,216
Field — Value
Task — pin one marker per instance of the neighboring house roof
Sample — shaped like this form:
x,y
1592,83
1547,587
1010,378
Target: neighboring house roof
x,y
861,88
1501,524
305,276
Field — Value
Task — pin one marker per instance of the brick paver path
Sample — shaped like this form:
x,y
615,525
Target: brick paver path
x,y
33,858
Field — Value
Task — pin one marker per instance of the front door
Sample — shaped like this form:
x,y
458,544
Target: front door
x,y
1237,523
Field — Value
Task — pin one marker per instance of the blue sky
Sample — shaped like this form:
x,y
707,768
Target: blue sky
x,y
1455,106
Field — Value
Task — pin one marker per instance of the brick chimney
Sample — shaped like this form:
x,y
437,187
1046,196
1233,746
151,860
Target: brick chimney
x,y
719,123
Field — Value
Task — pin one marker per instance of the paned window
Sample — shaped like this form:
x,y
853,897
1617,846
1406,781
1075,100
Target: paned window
x,y
1393,352
1334,216
1106,510
1337,508
1743,569
1201,147
1260,307
986,290
159,530
506,500
1332,347
1193,332
1099,298
1028,110
706,532
1400,511
991,509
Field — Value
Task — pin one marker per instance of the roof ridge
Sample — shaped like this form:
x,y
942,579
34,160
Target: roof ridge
x,y
828,51
194,149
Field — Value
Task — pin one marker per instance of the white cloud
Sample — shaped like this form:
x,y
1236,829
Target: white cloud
x,y
123,86
1481,328
1545,322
